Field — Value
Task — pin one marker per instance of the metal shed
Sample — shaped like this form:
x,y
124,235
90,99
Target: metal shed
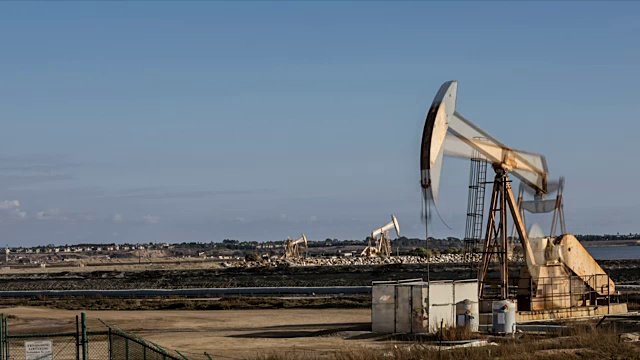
x,y
416,306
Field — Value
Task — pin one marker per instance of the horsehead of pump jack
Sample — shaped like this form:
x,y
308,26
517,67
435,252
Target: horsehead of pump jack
x,y
447,132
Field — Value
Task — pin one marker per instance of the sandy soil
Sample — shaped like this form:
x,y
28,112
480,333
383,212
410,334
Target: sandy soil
x,y
225,334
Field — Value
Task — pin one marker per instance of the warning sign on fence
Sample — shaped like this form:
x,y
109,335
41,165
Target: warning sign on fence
x,y
38,350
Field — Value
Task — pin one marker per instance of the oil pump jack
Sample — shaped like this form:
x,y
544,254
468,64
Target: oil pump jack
x,y
552,264
379,242
292,247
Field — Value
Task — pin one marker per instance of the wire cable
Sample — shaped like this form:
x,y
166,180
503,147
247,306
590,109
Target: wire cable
x,y
438,212
425,209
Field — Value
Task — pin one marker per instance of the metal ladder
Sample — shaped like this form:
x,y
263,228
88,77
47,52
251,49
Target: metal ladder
x,y
475,206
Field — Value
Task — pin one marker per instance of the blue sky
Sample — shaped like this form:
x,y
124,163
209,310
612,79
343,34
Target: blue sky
x,y
200,121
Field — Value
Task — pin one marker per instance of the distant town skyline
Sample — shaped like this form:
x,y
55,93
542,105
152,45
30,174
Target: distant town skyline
x,y
203,121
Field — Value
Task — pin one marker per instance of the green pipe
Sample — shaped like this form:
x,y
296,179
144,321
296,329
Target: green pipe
x,y
2,336
179,353
85,342
6,335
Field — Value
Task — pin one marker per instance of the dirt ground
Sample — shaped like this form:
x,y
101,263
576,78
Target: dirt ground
x,y
225,334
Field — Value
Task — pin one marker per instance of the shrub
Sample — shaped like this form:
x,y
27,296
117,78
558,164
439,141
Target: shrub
x,y
252,257
422,252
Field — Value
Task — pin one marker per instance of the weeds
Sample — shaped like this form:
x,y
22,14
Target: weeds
x,y
580,342
456,333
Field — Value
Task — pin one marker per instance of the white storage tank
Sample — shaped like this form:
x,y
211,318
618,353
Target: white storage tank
x,y
467,314
504,317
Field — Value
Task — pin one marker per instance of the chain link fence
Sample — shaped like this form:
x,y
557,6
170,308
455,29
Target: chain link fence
x,y
130,347
98,346
112,344
64,346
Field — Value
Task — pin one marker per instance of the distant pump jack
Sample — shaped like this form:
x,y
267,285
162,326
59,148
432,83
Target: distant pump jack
x,y
379,242
292,247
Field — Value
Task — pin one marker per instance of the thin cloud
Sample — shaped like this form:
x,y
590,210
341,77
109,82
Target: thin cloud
x,y
35,168
61,215
12,181
51,214
148,194
24,170
35,163
12,210
150,219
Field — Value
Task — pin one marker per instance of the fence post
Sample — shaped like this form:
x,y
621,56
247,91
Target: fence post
x,y
6,336
126,347
110,345
2,336
570,296
77,336
608,296
85,341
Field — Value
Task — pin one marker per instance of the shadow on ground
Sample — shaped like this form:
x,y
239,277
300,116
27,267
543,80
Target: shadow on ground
x,y
295,331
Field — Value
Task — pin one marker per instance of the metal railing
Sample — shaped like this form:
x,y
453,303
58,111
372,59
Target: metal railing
x,y
556,293
123,346
561,293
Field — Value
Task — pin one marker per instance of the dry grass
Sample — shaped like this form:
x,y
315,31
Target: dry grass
x,y
456,333
584,342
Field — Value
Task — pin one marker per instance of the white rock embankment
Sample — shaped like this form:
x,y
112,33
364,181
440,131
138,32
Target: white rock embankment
x,y
356,261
